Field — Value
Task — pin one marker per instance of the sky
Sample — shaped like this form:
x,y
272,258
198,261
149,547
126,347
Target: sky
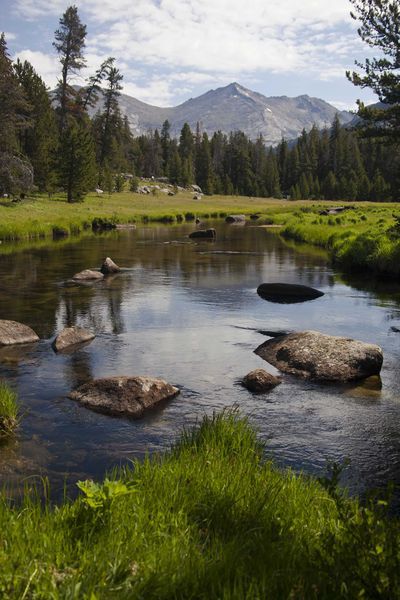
x,y
171,50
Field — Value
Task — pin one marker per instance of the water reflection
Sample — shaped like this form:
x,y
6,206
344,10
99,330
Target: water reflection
x,y
188,311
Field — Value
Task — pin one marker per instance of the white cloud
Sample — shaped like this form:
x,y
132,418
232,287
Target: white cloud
x,y
211,41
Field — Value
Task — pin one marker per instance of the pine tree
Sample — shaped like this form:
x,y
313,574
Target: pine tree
x,y
380,29
14,107
69,43
78,164
40,141
166,145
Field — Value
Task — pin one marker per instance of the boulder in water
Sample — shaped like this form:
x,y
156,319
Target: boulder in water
x,y
321,357
124,396
260,381
109,266
287,293
71,336
12,332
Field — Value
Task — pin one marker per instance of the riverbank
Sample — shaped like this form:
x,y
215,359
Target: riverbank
x,y
39,216
209,519
365,236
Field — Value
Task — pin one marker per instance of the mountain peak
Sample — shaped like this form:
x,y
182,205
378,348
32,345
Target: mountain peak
x,y
232,108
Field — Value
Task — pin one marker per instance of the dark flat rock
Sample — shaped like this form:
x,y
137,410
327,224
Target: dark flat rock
x,y
12,332
124,396
320,357
287,293
203,233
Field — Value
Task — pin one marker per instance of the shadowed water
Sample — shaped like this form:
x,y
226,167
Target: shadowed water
x,y
188,311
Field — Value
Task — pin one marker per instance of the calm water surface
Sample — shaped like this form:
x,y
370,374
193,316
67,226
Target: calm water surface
x,y
188,312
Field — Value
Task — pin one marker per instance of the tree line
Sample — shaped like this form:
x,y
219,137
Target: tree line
x,y
50,141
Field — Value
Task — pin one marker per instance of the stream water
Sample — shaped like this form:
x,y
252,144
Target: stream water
x,y
189,313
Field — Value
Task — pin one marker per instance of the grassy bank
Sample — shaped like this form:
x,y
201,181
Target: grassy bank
x,y
40,216
366,237
209,519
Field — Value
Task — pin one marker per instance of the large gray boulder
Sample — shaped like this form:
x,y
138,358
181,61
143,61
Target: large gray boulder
x,y
321,357
109,266
124,396
259,381
88,275
287,293
12,332
71,336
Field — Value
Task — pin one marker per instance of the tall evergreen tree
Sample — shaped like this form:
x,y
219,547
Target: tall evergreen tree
x,y
40,141
78,160
69,43
379,28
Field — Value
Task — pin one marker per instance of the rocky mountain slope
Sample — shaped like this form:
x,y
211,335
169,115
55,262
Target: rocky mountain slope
x,y
234,108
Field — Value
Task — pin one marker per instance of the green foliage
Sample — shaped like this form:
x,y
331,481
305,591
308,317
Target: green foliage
x,y
379,28
77,160
9,411
210,519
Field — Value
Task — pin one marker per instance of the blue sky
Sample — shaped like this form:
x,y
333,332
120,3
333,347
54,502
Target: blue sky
x,y
171,50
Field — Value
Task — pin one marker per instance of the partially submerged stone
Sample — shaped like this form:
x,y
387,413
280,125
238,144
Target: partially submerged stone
x,y
287,293
259,381
321,357
88,275
235,218
204,233
124,396
109,266
12,332
71,336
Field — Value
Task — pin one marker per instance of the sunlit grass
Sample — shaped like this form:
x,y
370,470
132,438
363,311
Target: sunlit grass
x,y
210,519
9,411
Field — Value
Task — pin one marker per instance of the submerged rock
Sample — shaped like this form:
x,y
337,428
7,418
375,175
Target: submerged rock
x,y
287,293
322,357
12,332
71,336
124,396
235,218
203,233
109,266
260,381
88,275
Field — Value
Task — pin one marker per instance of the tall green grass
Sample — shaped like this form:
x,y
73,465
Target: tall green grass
x,y
362,239
9,411
209,519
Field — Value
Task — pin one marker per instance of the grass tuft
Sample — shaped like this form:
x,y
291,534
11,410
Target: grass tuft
x,y
9,412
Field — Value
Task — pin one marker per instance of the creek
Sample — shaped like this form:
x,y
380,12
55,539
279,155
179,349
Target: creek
x,y
187,311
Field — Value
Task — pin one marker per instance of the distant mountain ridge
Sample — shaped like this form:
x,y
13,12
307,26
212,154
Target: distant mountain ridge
x,y
233,108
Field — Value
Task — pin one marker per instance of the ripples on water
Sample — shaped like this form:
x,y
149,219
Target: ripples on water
x,y
188,312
